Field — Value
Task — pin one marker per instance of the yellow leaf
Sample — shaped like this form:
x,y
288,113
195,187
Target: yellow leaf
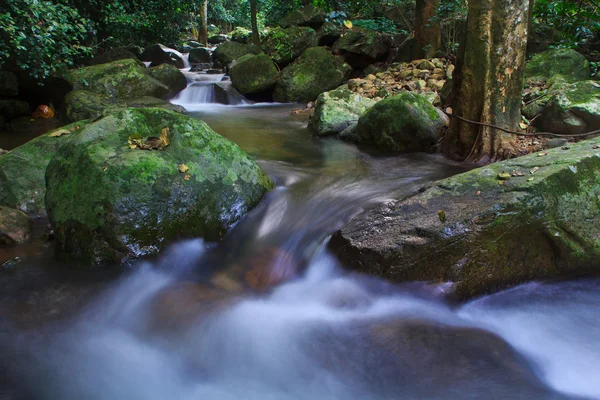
x,y
183,168
522,125
442,215
135,140
348,24
59,133
165,137
186,177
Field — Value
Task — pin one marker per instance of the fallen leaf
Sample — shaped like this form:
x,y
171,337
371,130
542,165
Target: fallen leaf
x,y
59,133
183,168
478,192
442,215
530,179
534,170
522,125
135,141
186,177
542,154
517,173
348,24
165,137
504,176
104,169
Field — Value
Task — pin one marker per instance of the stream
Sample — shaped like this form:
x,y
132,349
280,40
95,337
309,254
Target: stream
x,y
182,326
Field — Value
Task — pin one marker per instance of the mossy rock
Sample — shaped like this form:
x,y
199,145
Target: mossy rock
x,y
566,62
109,203
170,76
153,102
158,54
315,72
119,53
9,85
337,110
328,34
13,108
254,74
285,45
402,123
118,79
484,234
241,35
22,170
218,39
15,226
363,47
228,52
200,56
306,16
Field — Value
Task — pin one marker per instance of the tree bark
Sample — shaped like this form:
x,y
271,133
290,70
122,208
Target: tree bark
x,y
203,34
253,15
428,35
488,81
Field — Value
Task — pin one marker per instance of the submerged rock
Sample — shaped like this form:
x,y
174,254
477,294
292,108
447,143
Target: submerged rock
x,y
15,226
22,170
315,72
254,74
402,123
337,110
285,45
170,76
228,52
566,62
483,234
363,47
133,181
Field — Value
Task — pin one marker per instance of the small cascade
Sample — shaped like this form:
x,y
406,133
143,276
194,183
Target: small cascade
x,y
206,88
185,57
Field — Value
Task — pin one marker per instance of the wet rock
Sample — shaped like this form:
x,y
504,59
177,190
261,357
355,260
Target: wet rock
x,y
470,229
337,110
227,52
285,45
118,79
315,72
306,16
9,85
15,226
119,53
254,74
22,170
328,34
556,143
13,108
133,181
566,62
218,39
200,56
83,104
159,54
189,46
402,123
361,48
170,76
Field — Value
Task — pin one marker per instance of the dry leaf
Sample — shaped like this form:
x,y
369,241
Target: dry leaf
x,y
522,125
165,137
517,173
59,133
183,168
534,170
135,141
186,177
542,154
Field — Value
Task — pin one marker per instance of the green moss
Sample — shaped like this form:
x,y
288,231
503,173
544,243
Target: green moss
x,y
285,45
566,62
254,74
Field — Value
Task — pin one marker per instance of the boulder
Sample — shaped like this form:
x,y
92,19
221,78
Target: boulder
x,y
254,74
565,62
200,56
337,110
402,123
285,45
484,232
13,108
328,34
15,226
22,170
315,72
119,53
241,35
218,39
159,54
170,76
228,52
118,79
189,46
134,181
9,85
363,47
306,16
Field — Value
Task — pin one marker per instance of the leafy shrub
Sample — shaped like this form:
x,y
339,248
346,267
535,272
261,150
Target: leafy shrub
x,y
379,24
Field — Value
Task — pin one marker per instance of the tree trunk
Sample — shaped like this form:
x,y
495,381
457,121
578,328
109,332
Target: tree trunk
x,y
428,36
253,15
203,34
488,81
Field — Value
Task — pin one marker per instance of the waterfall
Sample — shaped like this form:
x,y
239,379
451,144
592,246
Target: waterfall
x,y
208,89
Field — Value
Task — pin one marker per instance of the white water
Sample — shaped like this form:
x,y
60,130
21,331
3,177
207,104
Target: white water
x,y
206,89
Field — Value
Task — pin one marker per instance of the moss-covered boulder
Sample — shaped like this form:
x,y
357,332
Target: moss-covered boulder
x,y
528,218
200,56
158,54
218,39
133,181
14,108
306,16
337,110
241,35
402,123
22,170
118,79
227,52
15,226
170,76
315,72
361,48
566,62
254,74
119,53
285,45
328,34
9,85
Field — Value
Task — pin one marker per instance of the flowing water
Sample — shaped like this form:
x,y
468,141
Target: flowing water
x,y
270,314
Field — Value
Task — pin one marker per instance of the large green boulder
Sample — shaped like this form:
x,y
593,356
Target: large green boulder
x,y
565,62
315,72
241,35
402,123
285,45
482,232
170,76
117,79
15,226
337,110
9,85
361,48
134,181
200,56
254,74
306,16
228,52
22,170
14,108
328,34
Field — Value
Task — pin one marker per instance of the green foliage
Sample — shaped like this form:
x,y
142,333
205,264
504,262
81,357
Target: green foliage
x,y
379,24
42,37
452,17
575,22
